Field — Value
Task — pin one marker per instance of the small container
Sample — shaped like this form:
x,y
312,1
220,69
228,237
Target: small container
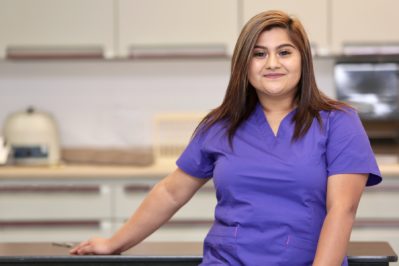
x,y
4,151
33,138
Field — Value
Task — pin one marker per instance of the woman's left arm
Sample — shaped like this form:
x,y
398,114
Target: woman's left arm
x,y
343,196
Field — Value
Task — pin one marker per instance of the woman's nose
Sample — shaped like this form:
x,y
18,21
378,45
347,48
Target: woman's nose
x,y
272,62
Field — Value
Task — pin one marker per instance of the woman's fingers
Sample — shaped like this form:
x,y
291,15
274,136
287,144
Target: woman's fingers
x,y
80,248
100,246
85,250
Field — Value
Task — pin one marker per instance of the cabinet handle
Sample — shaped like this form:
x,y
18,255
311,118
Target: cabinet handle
x,y
178,51
383,188
207,189
54,52
20,224
146,188
49,189
370,222
137,188
188,223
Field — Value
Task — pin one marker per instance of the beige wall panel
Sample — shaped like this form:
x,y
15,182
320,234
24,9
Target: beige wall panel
x,y
56,22
312,13
177,22
364,21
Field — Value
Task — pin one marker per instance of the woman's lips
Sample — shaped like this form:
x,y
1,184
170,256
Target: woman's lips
x,y
273,75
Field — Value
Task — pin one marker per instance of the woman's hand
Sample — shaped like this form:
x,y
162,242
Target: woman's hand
x,y
94,246
162,202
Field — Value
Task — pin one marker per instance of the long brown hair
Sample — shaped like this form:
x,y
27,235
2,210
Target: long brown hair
x,y
240,99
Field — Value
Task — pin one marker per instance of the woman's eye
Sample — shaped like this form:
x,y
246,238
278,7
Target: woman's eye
x,y
259,54
284,53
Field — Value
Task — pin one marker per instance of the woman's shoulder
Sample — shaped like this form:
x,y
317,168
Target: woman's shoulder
x,y
345,119
340,112
210,131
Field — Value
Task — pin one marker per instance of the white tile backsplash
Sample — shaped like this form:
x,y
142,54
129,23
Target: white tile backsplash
x,y
111,103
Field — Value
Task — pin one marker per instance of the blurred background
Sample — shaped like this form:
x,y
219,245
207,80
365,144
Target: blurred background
x,y
99,97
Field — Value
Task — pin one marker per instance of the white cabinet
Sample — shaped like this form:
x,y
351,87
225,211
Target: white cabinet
x,y
312,13
55,202
76,209
377,218
358,21
129,197
57,23
115,26
380,202
190,223
54,211
176,23
66,210
200,207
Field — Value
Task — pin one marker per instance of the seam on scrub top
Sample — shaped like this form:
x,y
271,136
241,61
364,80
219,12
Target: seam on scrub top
x,y
288,240
235,231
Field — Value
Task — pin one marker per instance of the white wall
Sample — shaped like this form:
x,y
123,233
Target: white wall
x,y
111,103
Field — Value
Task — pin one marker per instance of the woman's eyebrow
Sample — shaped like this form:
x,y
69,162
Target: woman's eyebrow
x,y
278,47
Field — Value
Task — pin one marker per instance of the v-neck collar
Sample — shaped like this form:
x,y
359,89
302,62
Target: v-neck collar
x,y
265,127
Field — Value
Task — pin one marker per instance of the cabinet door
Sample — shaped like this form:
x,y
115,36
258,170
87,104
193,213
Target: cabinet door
x,y
59,202
190,223
177,232
53,232
54,212
357,21
380,202
56,23
312,13
176,23
128,198
200,208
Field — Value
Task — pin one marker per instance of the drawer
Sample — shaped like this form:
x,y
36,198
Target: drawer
x,y
188,231
380,202
128,198
55,202
201,206
53,231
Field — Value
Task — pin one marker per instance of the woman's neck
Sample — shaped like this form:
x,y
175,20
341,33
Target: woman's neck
x,y
277,106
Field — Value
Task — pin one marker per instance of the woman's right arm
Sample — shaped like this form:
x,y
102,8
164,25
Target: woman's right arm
x,y
165,198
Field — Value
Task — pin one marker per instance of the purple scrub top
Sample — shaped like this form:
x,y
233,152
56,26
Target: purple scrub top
x,y
271,192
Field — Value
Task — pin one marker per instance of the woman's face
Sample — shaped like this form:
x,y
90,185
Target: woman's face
x,y
275,67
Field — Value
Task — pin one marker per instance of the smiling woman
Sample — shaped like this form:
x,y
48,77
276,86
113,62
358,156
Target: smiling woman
x,y
275,68
288,163
274,72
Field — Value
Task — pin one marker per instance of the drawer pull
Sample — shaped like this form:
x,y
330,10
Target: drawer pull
x,y
49,189
54,52
137,188
174,52
179,223
382,188
20,224
207,189
385,223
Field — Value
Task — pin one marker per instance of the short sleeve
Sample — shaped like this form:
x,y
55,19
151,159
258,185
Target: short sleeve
x,y
348,147
195,160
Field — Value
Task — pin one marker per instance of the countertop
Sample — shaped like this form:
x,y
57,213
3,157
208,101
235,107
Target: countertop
x,y
169,253
154,171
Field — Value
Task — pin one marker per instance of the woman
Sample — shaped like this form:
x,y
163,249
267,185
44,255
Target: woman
x,y
289,164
